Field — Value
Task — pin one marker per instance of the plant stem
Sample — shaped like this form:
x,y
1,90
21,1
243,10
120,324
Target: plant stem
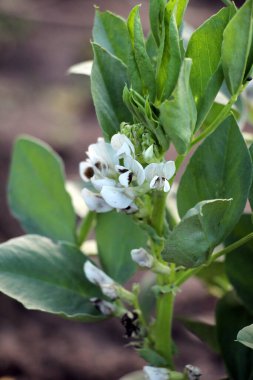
x,y
219,119
85,227
231,247
161,330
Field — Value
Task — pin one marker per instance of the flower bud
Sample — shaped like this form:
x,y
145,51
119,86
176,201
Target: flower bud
x,y
192,372
105,307
98,277
141,257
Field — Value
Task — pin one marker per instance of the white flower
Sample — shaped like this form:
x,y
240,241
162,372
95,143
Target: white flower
x,y
141,257
105,307
122,145
117,197
98,277
131,171
193,373
155,373
95,202
159,174
101,161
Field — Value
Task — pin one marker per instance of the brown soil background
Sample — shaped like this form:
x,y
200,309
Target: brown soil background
x,y
39,41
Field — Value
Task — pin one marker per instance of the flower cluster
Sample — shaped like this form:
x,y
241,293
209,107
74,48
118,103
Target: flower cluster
x,y
114,178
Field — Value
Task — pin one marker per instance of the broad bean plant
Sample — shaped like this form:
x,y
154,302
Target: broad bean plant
x,y
150,92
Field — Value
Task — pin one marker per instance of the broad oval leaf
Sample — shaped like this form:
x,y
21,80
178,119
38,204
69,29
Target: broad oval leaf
x,y
117,234
36,191
47,277
220,168
245,336
239,263
204,49
108,79
178,115
231,316
110,32
193,239
236,46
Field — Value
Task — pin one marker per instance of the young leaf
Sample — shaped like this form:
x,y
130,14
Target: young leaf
x,y
178,115
239,262
156,12
204,331
245,336
193,239
231,316
140,65
108,78
236,46
220,168
47,277
169,56
204,49
110,32
36,191
117,234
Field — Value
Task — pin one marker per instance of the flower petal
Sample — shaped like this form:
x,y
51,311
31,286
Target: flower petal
x,y
169,169
154,183
117,197
136,168
95,202
122,144
126,178
95,275
98,183
103,153
166,187
86,170
141,257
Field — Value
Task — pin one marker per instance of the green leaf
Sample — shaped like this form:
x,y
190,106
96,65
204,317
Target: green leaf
x,y
220,168
179,7
117,234
108,79
231,316
193,239
204,331
239,262
178,115
245,336
236,46
110,32
140,66
47,277
152,357
156,12
169,57
36,191
204,49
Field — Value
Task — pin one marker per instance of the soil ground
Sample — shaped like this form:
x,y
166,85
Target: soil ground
x,y
39,41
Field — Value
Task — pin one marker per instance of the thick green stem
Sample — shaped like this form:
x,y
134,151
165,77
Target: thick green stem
x,y
161,330
85,227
